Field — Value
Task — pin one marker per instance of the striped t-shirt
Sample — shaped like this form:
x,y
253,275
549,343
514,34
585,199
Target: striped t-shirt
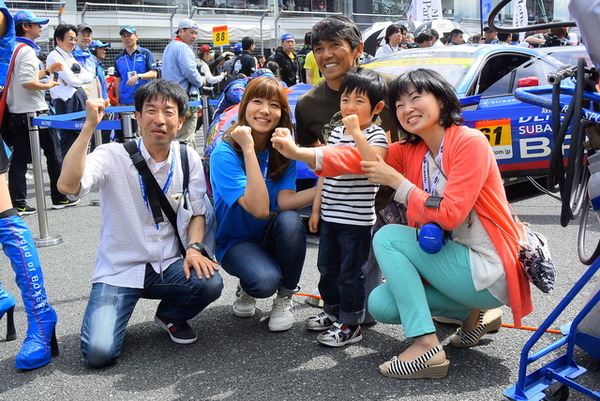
x,y
350,198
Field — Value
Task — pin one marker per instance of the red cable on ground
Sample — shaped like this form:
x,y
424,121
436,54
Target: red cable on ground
x,y
510,326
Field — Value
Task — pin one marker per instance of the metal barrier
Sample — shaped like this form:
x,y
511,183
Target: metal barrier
x,y
43,9
113,11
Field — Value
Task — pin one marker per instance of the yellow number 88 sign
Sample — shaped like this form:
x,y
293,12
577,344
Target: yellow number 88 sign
x,y
220,35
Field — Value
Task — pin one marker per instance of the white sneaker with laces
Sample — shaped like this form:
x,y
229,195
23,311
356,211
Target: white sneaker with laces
x,y
244,305
282,314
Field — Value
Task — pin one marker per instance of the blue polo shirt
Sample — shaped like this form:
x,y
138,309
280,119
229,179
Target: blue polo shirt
x,y
140,61
228,180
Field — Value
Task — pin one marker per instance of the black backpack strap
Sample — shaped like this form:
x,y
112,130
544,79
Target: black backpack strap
x,y
185,166
156,197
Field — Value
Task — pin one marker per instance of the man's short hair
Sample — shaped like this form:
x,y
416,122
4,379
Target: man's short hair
x,y
161,89
61,30
434,33
363,80
502,36
247,41
308,38
334,28
455,32
423,37
392,29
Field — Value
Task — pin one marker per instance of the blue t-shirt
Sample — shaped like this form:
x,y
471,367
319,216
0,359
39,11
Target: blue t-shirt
x,y
140,61
228,180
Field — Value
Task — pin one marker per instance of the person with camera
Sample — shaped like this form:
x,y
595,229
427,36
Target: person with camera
x,y
204,68
69,95
395,35
446,175
26,95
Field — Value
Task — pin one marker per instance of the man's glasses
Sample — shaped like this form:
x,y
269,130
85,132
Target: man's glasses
x,y
329,22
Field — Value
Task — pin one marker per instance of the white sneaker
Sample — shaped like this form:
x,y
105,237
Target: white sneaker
x,y
282,314
244,305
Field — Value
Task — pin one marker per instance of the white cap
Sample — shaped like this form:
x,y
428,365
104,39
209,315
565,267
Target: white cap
x,y
185,24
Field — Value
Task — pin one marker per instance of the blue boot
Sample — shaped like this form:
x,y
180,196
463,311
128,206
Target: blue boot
x,y
40,344
7,305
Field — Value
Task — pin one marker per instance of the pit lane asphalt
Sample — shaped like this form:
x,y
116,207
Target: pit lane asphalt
x,y
239,359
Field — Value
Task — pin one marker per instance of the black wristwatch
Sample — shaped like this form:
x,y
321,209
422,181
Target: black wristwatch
x,y
198,246
46,72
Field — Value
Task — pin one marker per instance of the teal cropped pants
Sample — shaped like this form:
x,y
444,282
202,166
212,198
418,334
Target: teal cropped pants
x,y
406,299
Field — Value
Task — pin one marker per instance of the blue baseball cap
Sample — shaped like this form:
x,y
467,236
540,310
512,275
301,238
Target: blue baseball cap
x,y
27,16
287,36
263,72
127,28
98,43
238,47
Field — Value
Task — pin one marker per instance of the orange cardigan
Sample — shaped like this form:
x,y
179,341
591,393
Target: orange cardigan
x,y
474,183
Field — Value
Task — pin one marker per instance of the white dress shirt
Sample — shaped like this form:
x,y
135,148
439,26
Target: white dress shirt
x,y
129,237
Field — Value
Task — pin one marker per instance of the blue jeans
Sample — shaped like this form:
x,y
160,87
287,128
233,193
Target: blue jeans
x,y
273,265
110,307
405,299
343,253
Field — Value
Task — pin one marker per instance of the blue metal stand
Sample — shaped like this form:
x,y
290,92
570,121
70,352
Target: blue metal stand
x,y
563,370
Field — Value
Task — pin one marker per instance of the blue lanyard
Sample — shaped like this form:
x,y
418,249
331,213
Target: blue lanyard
x,y
263,162
165,187
427,187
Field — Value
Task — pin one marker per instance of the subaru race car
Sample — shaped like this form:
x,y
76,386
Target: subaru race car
x,y
485,78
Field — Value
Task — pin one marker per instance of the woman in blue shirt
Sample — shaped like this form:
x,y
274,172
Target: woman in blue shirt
x,y
261,238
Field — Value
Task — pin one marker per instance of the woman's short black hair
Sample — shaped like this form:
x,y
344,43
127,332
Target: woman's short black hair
x,y
392,29
61,30
424,80
365,81
161,89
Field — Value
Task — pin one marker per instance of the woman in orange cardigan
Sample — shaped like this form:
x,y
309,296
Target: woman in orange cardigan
x,y
446,174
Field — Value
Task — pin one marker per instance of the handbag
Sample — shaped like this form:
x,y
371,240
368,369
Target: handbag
x,y
536,260
534,256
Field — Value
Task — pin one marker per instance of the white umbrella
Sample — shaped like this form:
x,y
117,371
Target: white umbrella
x,y
443,26
374,35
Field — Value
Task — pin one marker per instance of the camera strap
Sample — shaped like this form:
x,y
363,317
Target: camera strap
x,y
157,200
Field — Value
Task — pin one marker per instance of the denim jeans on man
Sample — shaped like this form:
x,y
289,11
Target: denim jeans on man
x,y
343,253
109,308
274,265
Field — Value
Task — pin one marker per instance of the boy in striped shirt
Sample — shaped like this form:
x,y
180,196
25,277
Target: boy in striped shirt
x,y
346,207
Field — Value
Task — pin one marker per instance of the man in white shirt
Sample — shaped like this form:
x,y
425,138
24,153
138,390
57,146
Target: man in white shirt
x,y
395,34
139,257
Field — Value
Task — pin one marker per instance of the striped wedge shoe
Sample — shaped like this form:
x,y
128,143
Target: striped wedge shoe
x,y
489,320
417,369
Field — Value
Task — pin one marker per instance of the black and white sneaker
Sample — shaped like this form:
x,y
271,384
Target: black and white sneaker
x,y
65,203
180,333
320,322
339,335
25,210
